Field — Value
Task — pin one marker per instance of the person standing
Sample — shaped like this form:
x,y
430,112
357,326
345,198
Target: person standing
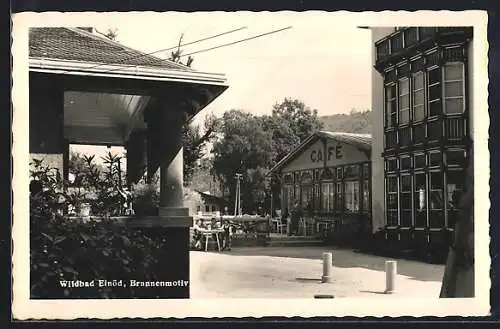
x,y
227,235
296,214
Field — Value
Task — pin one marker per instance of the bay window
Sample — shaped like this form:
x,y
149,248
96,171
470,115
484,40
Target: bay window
x,y
436,204
406,203
454,88
454,189
418,96
434,91
404,101
390,106
420,200
392,201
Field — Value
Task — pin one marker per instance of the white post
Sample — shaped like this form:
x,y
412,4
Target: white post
x,y
327,267
391,271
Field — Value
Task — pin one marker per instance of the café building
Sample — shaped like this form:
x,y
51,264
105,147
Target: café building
x,y
329,176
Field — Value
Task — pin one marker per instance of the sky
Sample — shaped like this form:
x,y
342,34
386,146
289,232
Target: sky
x,y
322,61
325,64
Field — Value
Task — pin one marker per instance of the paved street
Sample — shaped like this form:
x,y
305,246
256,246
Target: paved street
x,y
296,273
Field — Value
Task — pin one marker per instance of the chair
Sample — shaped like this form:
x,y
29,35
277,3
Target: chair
x,y
208,235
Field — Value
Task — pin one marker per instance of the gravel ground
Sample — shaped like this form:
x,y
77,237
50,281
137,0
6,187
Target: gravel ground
x,y
291,272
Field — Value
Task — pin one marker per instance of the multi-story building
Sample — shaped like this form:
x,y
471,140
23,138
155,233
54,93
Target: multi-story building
x,y
422,136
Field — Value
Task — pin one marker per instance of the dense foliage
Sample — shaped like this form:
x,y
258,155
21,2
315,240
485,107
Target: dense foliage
x,y
251,145
62,249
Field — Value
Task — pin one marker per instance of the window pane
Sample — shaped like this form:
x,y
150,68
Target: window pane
x,y
392,201
455,188
420,182
366,195
434,92
418,97
434,76
436,199
435,159
406,183
392,184
436,180
404,116
435,108
406,201
453,89
419,113
455,105
434,130
405,219
455,157
405,163
420,161
418,81
404,87
453,71
390,92
331,188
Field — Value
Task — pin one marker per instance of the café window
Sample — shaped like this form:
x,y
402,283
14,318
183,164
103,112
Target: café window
x,y
297,193
317,197
405,162
418,96
454,88
366,170
436,202
366,196
420,162
405,201
404,101
390,106
339,173
454,189
434,91
288,197
392,201
327,195
352,196
339,199
351,171
420,200
307,197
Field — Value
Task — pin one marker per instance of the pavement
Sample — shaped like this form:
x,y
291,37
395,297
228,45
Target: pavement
x,y
295,272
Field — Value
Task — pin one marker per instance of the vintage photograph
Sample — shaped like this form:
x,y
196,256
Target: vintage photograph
x,y
212,156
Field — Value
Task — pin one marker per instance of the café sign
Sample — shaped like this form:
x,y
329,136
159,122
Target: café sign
x,y
331,152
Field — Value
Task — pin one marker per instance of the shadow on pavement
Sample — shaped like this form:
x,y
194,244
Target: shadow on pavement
x,y
308,280
373,292
348,258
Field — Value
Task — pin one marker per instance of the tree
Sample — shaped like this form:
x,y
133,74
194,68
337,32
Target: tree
x,y
195,139
244,147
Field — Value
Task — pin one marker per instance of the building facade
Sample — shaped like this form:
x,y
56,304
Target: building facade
x,y
422,140
328,176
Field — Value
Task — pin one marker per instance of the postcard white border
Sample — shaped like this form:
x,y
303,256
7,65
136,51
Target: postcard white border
x,y
24,308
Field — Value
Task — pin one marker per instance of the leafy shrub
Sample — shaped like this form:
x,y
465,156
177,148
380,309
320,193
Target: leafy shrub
x,y
146,198
63,249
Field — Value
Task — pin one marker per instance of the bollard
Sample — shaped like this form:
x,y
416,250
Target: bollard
x,y
327,267
391,271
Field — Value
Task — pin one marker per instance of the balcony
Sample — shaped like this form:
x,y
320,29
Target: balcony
x,y
404,43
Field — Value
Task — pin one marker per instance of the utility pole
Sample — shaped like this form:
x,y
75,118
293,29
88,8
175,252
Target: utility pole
x,y
237,203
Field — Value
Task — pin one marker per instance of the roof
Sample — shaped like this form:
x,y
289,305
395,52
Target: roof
x,y
75,44
360,141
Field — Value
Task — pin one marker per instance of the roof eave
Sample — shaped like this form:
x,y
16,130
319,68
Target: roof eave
x,y
58,66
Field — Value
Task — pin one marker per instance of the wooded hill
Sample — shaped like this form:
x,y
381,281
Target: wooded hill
x,y
353,122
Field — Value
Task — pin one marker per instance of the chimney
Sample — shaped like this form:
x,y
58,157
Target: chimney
x,y
88,29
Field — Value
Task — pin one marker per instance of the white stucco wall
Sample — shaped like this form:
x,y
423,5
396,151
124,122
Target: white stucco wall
x,y
378,204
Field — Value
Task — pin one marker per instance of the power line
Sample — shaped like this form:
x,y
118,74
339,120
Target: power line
x,y
216,47
235,42
170,48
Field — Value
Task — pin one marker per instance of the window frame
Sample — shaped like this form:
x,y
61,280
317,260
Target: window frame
x,y
429,101
462,81
400,96
414,91
394,112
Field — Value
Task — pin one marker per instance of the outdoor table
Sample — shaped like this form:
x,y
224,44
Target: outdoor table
x,y
207,234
